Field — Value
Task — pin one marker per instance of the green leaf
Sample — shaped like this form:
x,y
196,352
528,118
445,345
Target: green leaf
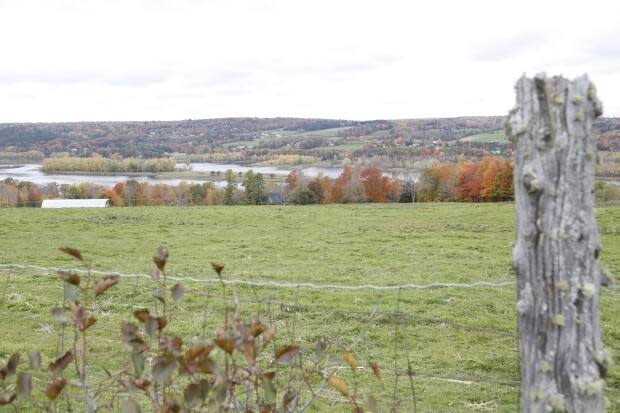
x,y
195,393
164,367
137,360
269,389
35,360
24,385
177,291
71,292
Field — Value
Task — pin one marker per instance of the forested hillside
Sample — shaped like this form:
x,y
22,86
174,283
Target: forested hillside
x,y
274,140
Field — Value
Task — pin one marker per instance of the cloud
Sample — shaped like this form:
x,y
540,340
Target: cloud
x,y
139,59
501,47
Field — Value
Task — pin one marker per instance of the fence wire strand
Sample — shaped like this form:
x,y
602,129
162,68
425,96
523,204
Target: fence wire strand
x,y
277,284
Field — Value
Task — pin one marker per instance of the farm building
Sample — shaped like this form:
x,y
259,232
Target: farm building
x,y
76,203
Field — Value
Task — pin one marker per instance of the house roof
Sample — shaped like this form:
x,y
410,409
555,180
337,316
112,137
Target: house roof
x,y
75,203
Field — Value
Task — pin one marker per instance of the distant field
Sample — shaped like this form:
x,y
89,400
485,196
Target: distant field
x,y
498,136
462,342
348,147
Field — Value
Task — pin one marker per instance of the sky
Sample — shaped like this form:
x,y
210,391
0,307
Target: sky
x,y
360,60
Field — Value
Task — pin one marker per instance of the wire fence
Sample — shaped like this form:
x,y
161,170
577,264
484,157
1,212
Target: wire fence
x,y
455,345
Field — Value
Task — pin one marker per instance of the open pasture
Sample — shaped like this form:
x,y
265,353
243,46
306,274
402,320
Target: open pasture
x,y
461,342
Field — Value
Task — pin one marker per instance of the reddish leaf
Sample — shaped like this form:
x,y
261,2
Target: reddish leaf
x,y
142,315
82,322
375,369
69,277
286,353
226,344
173,345
54,388
105,283
169,407
338,384
289,397
256,328
154,324
350,359
131,335
164,367
268,336
11,365
248,348
197,352
7,398
61,363
73,252
161,257
217,268
142,384
196,360
87,323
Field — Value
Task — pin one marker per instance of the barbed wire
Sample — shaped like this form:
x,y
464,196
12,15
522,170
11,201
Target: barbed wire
x,y
277,284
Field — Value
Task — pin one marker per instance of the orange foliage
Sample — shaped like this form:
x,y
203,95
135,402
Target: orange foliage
x,y
377,187
337,190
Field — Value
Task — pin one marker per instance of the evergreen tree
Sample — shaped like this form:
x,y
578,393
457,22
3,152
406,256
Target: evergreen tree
x,y
259,189
231,185
249,183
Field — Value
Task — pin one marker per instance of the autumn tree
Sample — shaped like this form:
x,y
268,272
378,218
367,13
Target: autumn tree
x,y
337,190
377,187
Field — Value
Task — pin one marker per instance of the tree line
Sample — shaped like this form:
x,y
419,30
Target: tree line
x,y
489,179
107,165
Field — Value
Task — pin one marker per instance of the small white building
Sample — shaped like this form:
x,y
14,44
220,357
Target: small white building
x,y
76,203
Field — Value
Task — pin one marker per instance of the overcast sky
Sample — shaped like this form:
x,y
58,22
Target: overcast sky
x,y
163,60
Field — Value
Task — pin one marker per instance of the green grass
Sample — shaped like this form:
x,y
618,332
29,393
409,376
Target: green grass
x,y
498,136
464,334
347,147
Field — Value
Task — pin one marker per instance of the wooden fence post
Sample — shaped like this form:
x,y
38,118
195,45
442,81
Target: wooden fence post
x,y
556,254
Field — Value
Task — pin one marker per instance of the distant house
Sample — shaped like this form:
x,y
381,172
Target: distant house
x,y
275,198
76,203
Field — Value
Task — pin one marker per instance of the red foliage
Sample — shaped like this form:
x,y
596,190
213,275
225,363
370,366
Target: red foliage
x,y
337,190
377,187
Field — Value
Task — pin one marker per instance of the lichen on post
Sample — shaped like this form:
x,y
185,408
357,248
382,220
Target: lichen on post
x,y
556,253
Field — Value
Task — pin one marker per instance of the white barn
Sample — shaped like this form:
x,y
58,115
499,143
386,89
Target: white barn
x,y
75,203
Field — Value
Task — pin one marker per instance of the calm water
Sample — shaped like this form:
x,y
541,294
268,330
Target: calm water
x,y
265,170
32,173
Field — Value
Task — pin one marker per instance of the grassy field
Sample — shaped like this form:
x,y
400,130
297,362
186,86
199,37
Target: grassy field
x,y
498,136
461,342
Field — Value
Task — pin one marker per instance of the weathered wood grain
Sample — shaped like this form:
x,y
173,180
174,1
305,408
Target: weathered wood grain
x,y
563,364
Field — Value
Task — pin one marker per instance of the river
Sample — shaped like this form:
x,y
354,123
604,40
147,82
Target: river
x,y
33,173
